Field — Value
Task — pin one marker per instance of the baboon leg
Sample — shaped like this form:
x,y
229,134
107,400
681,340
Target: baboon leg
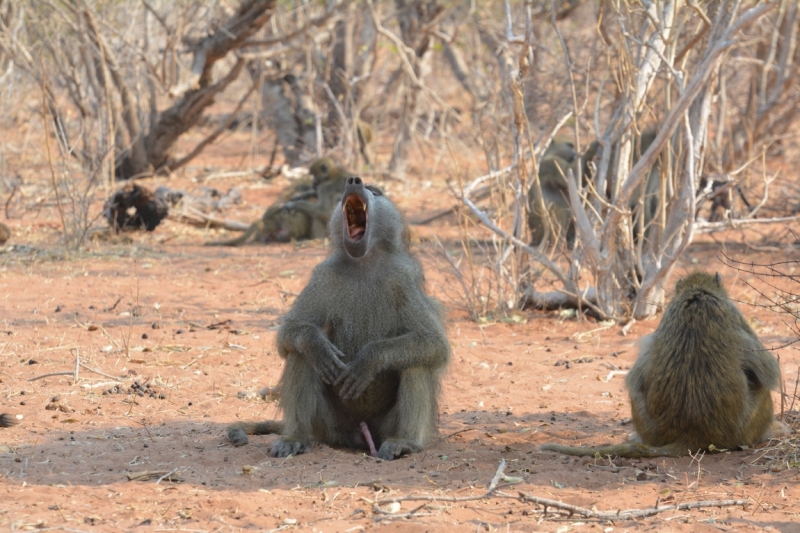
x,y
411,423
307,411
760,417
255,227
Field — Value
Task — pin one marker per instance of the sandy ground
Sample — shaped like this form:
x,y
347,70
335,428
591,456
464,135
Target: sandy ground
x,y
178,337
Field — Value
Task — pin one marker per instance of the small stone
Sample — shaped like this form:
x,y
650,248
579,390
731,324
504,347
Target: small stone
x,y
156,325
144,335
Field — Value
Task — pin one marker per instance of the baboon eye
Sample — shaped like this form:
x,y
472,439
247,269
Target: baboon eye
x,y
324,168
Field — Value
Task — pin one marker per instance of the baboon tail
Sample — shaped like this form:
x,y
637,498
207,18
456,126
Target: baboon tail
x,y
238,240
238,432
7,420
631,450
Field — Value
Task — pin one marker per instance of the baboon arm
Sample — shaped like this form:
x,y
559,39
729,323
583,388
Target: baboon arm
x,y
309,341
758,362
305,195
425,349
413,349
311,209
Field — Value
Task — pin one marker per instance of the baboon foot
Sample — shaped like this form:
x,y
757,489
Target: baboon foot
x,y
286,447
392,449
237,436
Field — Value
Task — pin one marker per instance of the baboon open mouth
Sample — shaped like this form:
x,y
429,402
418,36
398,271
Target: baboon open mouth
x,y
355,212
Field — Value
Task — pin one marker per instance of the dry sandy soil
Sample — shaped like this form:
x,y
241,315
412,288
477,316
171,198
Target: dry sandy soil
x,y
197,326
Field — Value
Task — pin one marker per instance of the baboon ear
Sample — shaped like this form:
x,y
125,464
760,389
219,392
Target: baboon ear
x,y
718,278
376,191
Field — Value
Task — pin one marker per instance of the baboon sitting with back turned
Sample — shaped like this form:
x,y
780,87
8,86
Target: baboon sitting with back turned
x,y
364,345
702,380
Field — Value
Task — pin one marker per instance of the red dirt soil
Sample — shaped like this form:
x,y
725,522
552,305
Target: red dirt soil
x,y
198,326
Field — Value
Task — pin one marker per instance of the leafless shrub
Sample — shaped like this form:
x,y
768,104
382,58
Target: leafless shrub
x,y
656,67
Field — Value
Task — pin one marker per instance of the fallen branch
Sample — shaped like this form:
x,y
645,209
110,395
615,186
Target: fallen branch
x,y
74,373
493,486
147,475
493,492
614,373
630,514
191,216
710,227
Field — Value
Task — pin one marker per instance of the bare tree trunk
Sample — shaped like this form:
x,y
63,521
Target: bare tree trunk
x,y
280,118
415,18
194,96
341,71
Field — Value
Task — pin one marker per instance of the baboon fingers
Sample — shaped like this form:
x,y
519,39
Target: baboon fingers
x,y
330,371
352,382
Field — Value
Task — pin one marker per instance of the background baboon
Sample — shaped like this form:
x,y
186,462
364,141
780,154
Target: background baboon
x,y
278,223
7,420
362,342
646,193
329,183
294,216
702,378
557,159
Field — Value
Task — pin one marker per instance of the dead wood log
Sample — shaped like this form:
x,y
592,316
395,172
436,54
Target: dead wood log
x,y
199,92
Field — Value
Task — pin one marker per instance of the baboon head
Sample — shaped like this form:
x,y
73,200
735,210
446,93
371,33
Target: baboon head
x,y
321,170
367,222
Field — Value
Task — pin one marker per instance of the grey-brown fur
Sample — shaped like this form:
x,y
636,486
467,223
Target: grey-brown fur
x,y
362,342
7,420
702,379
302,210
553,214
5,233
329,183
645,199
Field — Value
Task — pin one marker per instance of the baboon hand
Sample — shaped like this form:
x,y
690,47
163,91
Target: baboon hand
x,y
329,364
355,378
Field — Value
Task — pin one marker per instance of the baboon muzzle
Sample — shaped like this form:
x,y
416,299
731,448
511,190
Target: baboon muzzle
x,y
355,203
